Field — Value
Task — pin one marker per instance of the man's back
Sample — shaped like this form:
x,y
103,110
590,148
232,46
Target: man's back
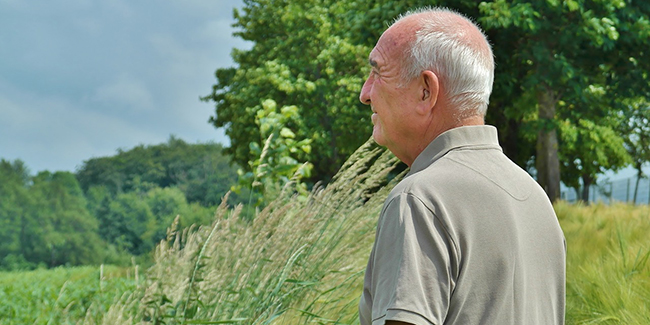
x,y
491,244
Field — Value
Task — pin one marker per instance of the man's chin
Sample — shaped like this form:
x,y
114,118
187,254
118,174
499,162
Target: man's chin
x,y
378,138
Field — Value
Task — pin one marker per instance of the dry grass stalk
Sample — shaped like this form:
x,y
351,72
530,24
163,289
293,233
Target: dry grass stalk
x,y
295,262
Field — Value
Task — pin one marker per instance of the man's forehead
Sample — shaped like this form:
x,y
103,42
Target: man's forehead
x,y
391,45
383,50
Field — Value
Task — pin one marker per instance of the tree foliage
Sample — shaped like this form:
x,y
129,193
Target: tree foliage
x,y
113,208
15,217
571,63
136,221
564,68
44,220
275,165
636,125
69,232
302,57
200,171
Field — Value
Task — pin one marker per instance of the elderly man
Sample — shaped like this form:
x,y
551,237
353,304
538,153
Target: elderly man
x,y
467,237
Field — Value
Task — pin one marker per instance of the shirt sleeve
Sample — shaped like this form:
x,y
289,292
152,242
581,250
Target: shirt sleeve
x,y
412,274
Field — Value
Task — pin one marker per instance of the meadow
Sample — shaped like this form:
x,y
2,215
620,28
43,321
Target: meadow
x,y
301,261
73,295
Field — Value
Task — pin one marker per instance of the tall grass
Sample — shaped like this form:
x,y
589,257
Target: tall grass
x,y
298,261
301,261
608,276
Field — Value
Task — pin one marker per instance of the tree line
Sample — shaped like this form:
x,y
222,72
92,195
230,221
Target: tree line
x,y
569,99
112,208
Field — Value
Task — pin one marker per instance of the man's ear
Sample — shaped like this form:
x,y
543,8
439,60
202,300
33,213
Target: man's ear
x,y
429,91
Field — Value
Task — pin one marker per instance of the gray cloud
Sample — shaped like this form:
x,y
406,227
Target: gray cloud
x,y
80,79
126,91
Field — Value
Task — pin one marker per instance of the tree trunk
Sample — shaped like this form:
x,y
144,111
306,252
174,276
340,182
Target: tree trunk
x,y
639,175
548,163
586,184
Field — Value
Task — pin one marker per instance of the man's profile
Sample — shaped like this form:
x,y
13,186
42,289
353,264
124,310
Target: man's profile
x,y
467,237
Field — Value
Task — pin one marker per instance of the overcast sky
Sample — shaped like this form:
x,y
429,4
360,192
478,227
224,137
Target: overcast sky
x,y
82,78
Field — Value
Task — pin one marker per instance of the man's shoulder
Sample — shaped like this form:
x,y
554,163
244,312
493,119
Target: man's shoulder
x,y
427,186
469,174
433,178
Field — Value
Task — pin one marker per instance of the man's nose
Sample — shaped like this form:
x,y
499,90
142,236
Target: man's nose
x,y
364,96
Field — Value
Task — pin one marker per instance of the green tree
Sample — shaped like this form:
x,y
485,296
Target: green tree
x,y
275,162
201,171
590,141
15,220
300,57
129,224
98,197
562,66
44,220
554,50
136,221
636,127
589,149
165,204
67,233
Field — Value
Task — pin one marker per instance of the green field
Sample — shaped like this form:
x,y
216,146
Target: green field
x,y
608,280
301,261
608,277
62,295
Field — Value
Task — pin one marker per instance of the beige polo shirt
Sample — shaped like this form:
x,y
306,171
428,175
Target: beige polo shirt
x,y
467,237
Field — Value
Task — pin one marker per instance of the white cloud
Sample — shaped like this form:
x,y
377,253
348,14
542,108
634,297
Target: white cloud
x,y
80,78
56,134
127,92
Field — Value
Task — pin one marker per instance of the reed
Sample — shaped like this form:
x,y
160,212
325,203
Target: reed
x,y
296,262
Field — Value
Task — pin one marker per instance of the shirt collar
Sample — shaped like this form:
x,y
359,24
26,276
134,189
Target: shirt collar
x,y
465,136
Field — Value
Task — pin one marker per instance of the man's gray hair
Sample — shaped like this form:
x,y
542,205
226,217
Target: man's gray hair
x,y
466,73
